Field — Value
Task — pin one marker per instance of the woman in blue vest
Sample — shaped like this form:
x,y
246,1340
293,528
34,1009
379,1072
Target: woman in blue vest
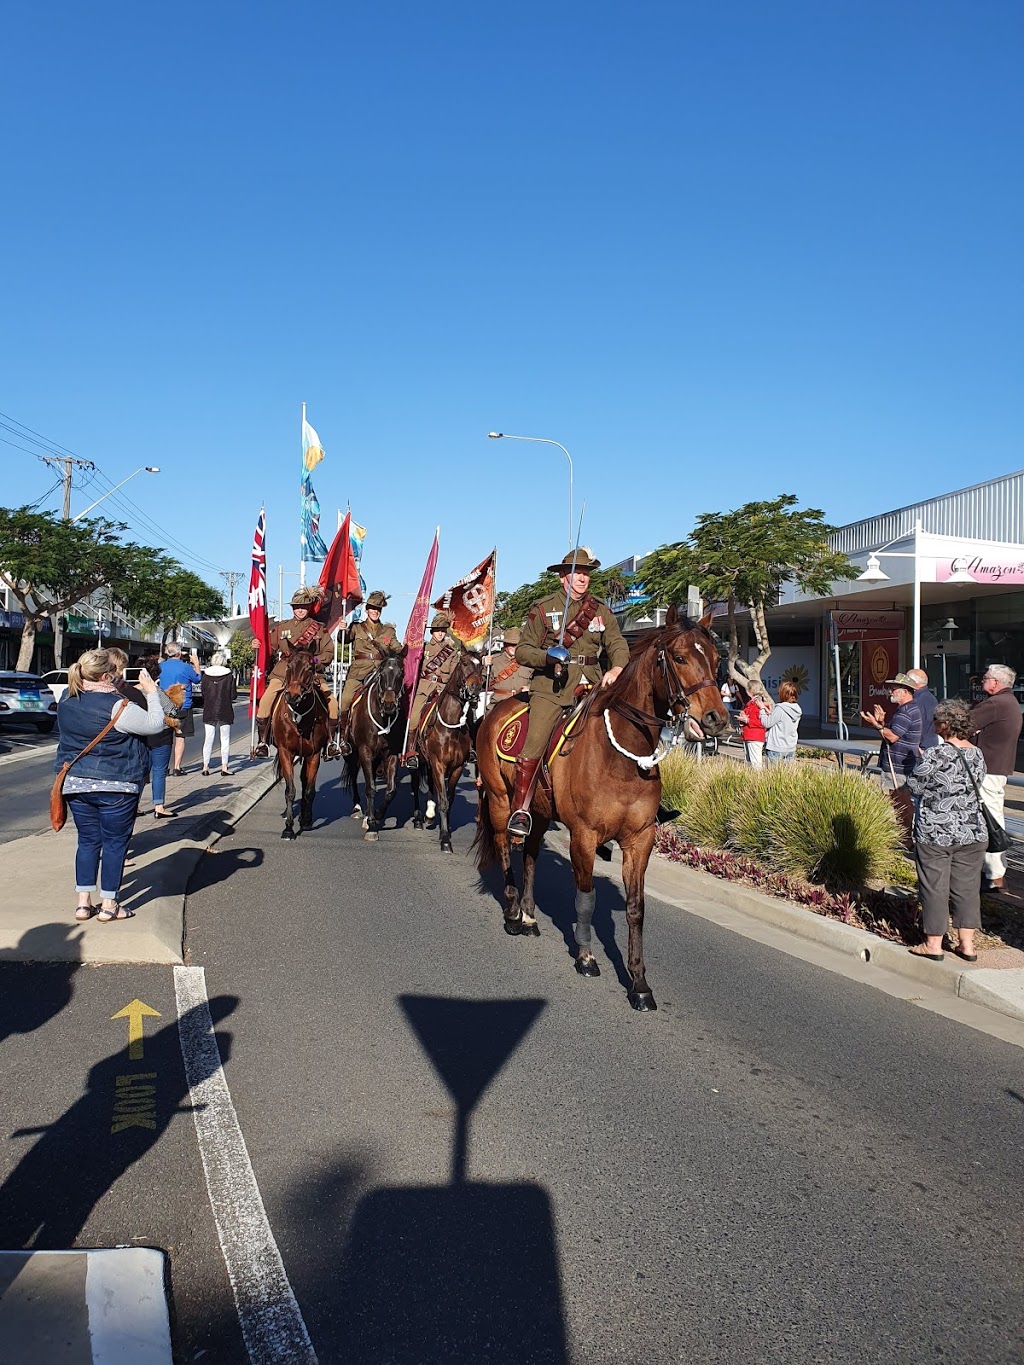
x,y
102,789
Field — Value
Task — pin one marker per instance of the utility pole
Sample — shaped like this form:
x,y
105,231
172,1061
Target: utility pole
x,y
230,577
68,464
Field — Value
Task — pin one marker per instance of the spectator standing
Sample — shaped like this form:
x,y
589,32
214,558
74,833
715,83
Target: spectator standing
x,y
219,692
173,670
996,724
901,736
780,723
102,789
926,701
159,745
950,836
752,733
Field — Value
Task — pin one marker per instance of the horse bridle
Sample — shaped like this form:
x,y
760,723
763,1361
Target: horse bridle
x,y
372,684
466,696
677,702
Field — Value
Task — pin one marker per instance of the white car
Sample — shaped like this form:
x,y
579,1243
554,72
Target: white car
x,y
57,681
25,698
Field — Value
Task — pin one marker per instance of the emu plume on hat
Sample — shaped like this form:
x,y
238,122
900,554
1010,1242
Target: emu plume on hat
x,y
305,597
377,599
585,562
440,621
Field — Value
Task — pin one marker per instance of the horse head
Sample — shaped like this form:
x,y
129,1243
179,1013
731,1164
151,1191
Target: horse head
x,y
471,676
390,683
686,671
300,672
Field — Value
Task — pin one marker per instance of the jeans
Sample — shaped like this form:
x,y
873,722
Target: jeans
x,y
225,744
104,821
777,756
160,758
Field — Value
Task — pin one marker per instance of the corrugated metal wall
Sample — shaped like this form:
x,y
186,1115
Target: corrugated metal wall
x,y
988,511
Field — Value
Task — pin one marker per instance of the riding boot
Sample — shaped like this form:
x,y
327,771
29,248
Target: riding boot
x,y
262,749
340,736
333,749
411,758
520,822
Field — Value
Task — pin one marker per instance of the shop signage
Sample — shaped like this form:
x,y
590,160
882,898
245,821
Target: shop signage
x,y
866,625
983,568
15,620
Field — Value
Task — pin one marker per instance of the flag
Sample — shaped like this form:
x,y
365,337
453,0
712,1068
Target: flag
x,y
416,629
312,450
358,534
311,545
258,613
471,602
340,577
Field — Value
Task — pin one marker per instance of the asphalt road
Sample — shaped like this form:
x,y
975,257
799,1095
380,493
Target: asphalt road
x,y
781,1164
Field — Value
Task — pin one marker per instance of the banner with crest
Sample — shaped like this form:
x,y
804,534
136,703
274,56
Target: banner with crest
x,y
470,603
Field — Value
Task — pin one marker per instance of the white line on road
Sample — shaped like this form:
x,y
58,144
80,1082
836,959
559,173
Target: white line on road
x,y
272,1324
34,752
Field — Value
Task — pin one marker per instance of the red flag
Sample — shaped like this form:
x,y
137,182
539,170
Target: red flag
x,y
470,603
258,613
340,575
417,626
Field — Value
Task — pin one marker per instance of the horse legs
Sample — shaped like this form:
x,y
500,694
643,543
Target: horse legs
x,y
636,853
531,852
310,768
416,782
582,851
445,783
352,767
370,825
378,817
287,763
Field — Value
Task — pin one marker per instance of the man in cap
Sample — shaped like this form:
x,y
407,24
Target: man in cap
x,y
590,629
372,640
303,631
509,678
440,657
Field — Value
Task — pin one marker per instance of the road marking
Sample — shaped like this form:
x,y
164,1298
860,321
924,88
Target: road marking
x,y
134,1012
35,752
271,1321
127,1307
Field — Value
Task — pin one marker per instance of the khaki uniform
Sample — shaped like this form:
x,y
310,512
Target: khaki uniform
x,y
364,636
283,638
508,677
439,663
601,637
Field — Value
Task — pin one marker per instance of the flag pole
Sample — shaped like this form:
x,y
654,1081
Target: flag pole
x,y
490,622
302,560
419,670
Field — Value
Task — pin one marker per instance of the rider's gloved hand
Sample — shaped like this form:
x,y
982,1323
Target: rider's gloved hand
x,y
558,657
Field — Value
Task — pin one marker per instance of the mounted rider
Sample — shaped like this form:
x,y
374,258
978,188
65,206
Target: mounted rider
x,y
303,631
440,659
565,653
509,678
372,640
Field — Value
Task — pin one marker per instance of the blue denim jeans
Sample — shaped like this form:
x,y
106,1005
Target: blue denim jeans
x,y
774,756
104,821
160,760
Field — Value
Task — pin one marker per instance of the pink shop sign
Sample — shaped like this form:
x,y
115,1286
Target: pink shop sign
x,y
1005,568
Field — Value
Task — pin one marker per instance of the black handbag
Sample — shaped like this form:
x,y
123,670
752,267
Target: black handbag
x,y
998,839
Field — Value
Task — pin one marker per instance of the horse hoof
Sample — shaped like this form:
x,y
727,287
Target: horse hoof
x,y
587,966
357,812
642,1001
371,837
417,822
287,834
446,846
366,823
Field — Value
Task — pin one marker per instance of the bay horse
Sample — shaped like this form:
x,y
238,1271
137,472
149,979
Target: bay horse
x,y
444,741
375,732
299,729
604,783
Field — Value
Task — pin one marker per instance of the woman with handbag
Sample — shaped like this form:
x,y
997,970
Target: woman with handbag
x,y
950,833
102,754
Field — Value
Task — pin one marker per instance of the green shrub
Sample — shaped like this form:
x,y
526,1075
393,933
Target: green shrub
x,y
679,775
764,792
718,795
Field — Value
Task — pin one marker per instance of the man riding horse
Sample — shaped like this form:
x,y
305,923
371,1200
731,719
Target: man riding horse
x,y
303,631
372,640
563,655
440,657
509,678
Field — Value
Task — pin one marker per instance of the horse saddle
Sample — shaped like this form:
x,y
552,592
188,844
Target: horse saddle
x,y
512,735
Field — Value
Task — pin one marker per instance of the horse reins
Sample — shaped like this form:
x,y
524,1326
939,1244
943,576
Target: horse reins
x,y
676,695
465,696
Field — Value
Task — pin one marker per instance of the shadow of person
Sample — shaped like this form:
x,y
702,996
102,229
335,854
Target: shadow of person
x,y
467,1272
45,1201
218,864
36,982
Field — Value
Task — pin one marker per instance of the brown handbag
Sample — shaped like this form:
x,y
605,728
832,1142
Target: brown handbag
x,y
58,802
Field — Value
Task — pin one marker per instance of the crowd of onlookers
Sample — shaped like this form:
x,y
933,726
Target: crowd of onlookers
x,y
119,735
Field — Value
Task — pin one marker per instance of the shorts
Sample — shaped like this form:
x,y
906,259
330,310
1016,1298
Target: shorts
x,y
188,725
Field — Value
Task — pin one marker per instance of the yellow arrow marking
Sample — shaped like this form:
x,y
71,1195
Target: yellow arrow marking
x,y
134,1012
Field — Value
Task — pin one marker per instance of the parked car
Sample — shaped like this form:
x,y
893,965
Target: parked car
x,y
57,681
27,700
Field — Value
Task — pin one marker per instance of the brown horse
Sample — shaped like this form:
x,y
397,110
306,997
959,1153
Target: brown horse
x,y
376,726
443,742
605,783
299,729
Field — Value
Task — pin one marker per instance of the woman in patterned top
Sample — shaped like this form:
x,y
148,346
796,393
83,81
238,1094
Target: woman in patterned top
x,y
950,837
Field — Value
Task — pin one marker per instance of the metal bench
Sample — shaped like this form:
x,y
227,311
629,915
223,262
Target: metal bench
x,y
839,748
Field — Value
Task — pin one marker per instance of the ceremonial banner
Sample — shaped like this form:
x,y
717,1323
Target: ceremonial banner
x,y
340,576
311,546
358,534
470,603
258,613
416,629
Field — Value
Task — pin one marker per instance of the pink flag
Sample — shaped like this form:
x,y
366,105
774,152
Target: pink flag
x,y
258,613
416,629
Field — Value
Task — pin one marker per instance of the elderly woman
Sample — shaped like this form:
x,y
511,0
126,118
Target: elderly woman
x,y
102,788
950,837
219,693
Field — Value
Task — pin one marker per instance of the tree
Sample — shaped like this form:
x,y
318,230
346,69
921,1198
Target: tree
x,y
742,558
243,650
172,598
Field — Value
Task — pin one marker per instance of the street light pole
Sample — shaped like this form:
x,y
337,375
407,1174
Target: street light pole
x,y
146,469
541,440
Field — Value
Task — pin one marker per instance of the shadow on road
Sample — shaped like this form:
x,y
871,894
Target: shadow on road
x,y
34,989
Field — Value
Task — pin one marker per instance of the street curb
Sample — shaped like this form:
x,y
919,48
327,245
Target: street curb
x,y
998,989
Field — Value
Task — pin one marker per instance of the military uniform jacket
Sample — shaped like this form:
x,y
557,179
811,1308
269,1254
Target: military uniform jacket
x,y
540,632
364,636
439,661
508,676
285,636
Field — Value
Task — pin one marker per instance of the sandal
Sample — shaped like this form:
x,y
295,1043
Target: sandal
x,y
225,772
922,951
118,912
84,912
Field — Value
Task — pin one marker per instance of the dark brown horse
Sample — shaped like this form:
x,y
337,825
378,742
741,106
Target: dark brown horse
x,y
444,742
605,782
376,726
299,730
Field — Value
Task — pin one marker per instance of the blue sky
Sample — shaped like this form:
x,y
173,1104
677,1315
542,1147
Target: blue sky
x,y
718,251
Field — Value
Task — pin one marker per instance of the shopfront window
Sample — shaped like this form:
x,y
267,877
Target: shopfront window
x,y
999,635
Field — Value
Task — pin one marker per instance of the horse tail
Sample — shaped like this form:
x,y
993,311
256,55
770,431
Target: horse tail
x,y
483,844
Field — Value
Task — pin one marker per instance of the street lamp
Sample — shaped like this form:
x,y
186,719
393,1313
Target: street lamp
x,y
146,469
873,574
542,440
